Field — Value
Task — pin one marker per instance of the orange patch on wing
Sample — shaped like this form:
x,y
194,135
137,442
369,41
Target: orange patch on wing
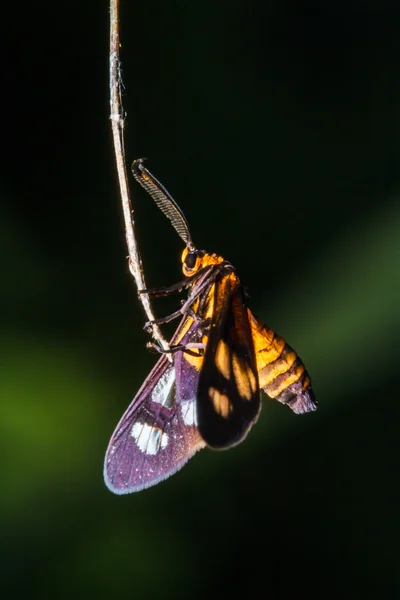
x,y
225,287
183,331
244,378
222,359
221,402
195,361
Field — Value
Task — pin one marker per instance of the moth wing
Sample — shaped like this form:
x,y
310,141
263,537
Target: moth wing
x,y
228,399
156,435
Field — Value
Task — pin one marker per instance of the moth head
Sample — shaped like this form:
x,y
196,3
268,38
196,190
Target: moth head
x,y
192,260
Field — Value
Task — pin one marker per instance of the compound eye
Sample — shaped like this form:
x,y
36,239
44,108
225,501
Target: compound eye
x,y
190,260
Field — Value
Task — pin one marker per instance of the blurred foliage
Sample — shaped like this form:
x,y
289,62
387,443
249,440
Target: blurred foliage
x,y
275,126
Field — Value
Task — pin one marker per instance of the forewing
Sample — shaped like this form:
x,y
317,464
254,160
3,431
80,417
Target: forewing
x,y
228,399
156,435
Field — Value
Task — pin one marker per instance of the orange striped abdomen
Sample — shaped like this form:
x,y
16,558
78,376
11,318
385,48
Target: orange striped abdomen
x,y
281,372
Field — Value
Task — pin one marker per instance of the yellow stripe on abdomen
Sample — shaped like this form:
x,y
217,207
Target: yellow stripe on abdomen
x,y
281,372
279,366
276,386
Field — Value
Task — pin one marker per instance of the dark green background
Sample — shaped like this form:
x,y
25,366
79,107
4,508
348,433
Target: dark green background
x,y
275,126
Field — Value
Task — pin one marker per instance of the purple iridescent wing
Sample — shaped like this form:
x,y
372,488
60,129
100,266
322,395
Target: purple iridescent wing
x,y
158,432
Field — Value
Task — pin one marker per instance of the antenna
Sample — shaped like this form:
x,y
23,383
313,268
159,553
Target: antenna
x,y
163,199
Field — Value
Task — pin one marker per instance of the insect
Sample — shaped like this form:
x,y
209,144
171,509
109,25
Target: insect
x,y
204,390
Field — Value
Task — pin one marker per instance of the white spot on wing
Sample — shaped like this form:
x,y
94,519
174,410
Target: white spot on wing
x,y
188,409
164,391
164,440
149,439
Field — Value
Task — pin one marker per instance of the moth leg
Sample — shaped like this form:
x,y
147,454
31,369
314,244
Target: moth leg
x,y
176,287
188,303
179,348
190,312
148,325
166,291
184,310
178,313
196,293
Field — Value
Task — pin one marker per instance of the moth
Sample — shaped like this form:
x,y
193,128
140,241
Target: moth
x,y
204,390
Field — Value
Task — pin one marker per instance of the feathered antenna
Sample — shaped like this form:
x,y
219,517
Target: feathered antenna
x,y
163,200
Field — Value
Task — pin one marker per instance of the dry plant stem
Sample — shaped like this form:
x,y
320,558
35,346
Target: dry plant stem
x,y
117,124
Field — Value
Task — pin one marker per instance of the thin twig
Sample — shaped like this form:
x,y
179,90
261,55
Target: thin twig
x,y
117,124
